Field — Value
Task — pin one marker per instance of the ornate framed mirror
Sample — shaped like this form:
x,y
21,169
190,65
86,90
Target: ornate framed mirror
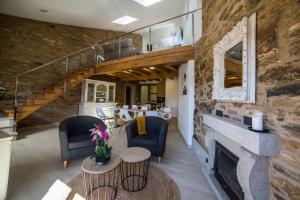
x,y
234,70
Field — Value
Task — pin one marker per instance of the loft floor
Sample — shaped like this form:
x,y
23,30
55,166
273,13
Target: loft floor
x,y
165,63
36,164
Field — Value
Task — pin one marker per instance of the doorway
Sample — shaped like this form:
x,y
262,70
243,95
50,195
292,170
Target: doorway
x,y
129,98
128,95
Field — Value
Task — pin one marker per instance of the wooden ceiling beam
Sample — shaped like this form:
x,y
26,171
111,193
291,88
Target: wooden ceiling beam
x,y
148,77
130,73
161,70
143,72
171,68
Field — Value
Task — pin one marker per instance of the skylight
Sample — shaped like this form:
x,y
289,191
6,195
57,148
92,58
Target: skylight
x,y
124,20
147,3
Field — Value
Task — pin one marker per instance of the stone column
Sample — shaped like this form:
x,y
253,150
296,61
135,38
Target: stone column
x,y
252,174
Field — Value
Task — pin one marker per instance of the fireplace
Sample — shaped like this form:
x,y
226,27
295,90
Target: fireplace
x,y
225,167
235,161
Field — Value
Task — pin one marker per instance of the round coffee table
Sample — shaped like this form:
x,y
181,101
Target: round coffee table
x,y
101,181
134,168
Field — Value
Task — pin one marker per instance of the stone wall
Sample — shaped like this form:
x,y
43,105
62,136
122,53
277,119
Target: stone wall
x,y
28,43
277,84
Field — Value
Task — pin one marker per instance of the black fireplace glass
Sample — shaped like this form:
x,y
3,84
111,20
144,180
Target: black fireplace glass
x,y
225,172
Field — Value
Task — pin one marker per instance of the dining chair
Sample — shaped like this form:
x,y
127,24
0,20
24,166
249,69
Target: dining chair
x,y
145,108
125,117
167,109
101,114
126,106
135,107
151,113
166,114
140,113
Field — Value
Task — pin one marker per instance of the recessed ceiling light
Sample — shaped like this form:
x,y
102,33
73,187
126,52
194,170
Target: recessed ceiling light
x,y
130,70
147,3
124,20
152,67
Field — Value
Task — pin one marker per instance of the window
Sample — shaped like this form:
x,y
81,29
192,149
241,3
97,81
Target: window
x,y
101,93
90,92
111,93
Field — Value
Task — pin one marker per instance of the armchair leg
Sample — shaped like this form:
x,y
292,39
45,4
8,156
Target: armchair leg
x,y
124,124
121,128
159,159
65,163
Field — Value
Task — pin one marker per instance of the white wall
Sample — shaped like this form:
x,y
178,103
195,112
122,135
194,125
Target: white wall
x,y
186,102
172,95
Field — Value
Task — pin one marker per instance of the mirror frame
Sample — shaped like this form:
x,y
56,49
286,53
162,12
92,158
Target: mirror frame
x,y
243,31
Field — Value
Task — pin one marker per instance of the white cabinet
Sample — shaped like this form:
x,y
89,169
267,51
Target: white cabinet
x,y
5,149
97,93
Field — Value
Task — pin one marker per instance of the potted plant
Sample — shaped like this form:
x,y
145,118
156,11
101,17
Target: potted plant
x,y
101,136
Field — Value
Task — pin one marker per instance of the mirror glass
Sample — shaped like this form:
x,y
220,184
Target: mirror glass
x,y
233,66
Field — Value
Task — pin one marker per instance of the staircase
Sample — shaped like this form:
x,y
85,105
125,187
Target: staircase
x,y
32,104
72,75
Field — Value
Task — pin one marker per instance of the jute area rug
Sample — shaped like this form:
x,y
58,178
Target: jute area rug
x,y
159,187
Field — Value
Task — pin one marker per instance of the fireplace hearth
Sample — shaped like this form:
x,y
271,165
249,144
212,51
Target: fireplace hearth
x,y
226,174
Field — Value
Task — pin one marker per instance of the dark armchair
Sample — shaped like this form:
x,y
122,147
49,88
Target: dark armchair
x,y
154,140
74,137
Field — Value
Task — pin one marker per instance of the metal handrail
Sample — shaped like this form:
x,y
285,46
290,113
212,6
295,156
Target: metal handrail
x,y
92,46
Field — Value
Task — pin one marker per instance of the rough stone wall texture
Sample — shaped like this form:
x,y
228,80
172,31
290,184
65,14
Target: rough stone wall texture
x,y
26,43
277,84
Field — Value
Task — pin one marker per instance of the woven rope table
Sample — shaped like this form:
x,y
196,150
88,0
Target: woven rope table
x,y
101,181
134,168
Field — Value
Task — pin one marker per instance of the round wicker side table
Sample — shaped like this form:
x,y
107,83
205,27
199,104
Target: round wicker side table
x,y
134,168
101,181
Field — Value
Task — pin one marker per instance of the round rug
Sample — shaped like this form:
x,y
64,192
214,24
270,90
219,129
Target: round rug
x,y
159,187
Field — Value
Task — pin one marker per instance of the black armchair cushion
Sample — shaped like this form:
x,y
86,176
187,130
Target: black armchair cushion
x,y
79,141
146,140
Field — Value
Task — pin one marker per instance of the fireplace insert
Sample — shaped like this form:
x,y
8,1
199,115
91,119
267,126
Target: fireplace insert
x,y
225,172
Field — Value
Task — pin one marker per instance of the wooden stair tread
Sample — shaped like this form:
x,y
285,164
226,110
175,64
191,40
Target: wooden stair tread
x,y
32,104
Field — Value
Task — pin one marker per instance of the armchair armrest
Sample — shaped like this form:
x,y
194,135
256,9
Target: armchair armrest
x,y
162,137
63,139
131,131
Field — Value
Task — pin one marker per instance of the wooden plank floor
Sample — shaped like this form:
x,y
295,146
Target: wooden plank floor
x,y
36,164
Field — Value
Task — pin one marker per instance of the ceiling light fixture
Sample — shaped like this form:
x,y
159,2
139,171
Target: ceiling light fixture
x,y
152,67
124,20
147,3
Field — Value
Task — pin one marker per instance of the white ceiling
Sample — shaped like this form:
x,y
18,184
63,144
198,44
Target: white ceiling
x,y
93,13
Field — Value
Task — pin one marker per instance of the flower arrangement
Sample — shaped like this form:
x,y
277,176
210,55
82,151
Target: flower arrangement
x,y
101,135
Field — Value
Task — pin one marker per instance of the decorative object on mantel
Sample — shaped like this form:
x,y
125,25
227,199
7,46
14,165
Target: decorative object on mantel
x,y
262,131
102,150
234,63
258,121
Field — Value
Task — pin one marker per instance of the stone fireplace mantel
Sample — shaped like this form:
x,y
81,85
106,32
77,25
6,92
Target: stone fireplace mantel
x,y
263,144
253,150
